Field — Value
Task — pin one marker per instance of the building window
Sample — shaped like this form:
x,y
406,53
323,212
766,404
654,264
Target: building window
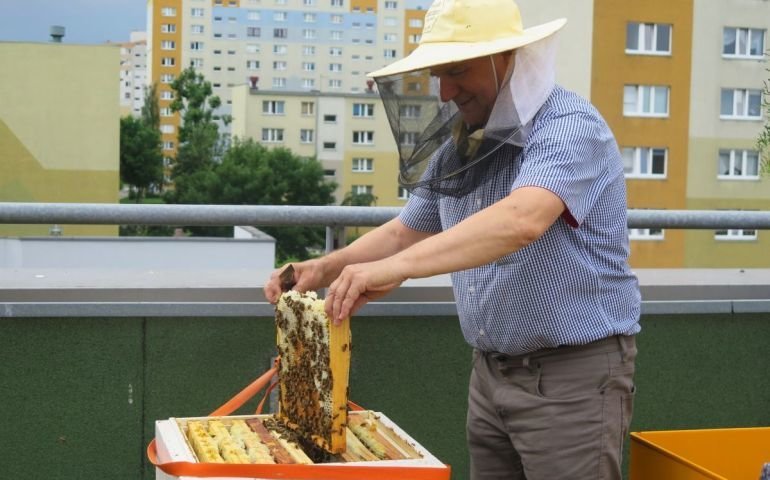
x,y
337,3
166,112
252,64
329,145
391,5
166,95
407,139
365,110
273,107
389,53
391,21
336,34
335,83
743,42
196,29
167,45
168,61
330,118
197,46
415,39
335,67
253,32
280,32
735,234
415,23
362,189
741,103
363,137
168,145
309,17
308,33
308,50
168,28
166,78
648,38
308,66
306,135
409,111
168,12
645,233
403,193
196,62
279,82
279,16
363,164
308,3
279,65
336,19
645,101
196,12
280,49
253,15
335,51
307,108
252,48
643,162
738,165
308,83
272,135
390,37
167,129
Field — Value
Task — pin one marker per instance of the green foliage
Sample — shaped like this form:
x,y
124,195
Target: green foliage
x,y
359,200
200,144
141,160
763,142
151,108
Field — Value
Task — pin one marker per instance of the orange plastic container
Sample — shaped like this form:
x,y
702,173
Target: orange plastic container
x,y
723,454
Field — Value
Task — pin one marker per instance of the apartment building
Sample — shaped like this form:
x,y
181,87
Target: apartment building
x,y
133,73
282,45
347,132
59,129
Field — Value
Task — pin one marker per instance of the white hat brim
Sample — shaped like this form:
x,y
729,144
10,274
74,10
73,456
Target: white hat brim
x,y
439,53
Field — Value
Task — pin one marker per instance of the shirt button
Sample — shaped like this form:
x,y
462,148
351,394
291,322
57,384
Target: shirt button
x,y
481,332
478,202
471,289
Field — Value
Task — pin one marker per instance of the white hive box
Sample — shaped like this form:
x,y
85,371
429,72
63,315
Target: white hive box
x,y
400,450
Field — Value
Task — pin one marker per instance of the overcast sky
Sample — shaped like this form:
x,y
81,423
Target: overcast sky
x,y
86,21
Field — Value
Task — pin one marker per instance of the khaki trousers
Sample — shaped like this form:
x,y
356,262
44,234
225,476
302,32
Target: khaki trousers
x,y
553,414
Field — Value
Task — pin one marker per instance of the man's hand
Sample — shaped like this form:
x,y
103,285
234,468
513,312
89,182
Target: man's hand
x,y
359,284
308,275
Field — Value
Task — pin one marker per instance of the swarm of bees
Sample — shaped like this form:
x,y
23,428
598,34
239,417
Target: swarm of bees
x,y
314,368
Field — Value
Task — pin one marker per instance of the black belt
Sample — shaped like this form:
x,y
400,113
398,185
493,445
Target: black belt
x,y
608,344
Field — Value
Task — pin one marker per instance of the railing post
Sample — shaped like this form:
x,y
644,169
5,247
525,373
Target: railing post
x,y
335,238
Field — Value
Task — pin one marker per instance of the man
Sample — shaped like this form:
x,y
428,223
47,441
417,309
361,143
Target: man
x,y
519,193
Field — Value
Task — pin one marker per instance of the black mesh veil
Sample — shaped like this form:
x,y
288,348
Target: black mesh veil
x,y
438,156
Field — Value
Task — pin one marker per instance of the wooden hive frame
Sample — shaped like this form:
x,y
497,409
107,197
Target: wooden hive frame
x,y
314,370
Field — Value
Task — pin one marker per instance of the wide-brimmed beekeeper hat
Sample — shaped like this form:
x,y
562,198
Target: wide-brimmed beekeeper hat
x,y
457,30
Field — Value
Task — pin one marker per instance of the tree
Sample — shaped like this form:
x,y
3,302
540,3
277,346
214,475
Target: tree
x,y
200,143
763,143
250,174
150,108
141,160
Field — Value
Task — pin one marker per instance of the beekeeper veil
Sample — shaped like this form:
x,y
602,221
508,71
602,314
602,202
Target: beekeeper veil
x,y
439,154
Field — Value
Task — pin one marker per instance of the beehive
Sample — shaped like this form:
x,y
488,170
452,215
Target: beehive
x,y
314,370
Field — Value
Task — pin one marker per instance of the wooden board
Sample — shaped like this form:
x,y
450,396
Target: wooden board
x,y
314,370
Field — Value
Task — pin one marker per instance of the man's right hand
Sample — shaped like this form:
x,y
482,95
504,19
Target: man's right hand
x,y
308,275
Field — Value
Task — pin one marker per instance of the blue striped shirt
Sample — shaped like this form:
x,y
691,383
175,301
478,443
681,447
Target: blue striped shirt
x,y
571,286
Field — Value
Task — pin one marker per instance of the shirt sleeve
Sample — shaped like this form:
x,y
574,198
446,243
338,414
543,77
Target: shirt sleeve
x,y
572,154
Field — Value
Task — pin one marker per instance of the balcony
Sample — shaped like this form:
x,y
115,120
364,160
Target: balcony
x,y
101,337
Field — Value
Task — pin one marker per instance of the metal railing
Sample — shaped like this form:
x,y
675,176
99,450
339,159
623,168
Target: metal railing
x,y
331,216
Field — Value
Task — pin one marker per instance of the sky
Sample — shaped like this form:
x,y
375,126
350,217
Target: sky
x,y
86,21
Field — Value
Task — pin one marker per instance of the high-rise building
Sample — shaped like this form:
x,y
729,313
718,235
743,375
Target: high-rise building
x,y
133,73
284,45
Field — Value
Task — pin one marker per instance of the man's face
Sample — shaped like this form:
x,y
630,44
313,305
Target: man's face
x,y
471,86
